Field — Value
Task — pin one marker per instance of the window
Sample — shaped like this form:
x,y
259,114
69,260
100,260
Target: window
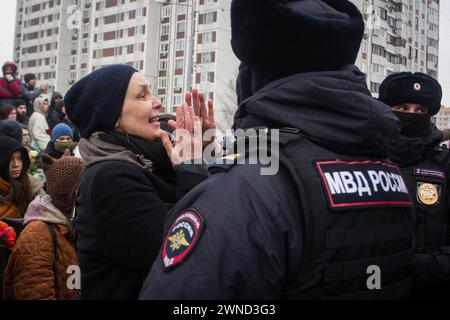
x,y
181,26
72,75
378,68
378,50
207,37
207,18
164,47
177,100
165,12
207,57
179,45
165,29
203,77
178,82
374,87
140,30
181,9
364,67
179,63
162,83
139,47
163,65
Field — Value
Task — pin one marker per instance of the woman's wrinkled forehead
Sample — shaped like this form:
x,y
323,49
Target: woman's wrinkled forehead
x,y
138,83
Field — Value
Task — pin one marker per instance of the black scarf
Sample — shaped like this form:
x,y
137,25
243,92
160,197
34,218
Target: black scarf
x,y
414,125
407,151
150,150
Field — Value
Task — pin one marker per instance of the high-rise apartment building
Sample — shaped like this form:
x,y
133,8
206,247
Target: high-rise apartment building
x,y
443,119
176,45
401,35
180,44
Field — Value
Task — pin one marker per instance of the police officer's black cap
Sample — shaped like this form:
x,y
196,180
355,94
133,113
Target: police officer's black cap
x,y
408,87
292,36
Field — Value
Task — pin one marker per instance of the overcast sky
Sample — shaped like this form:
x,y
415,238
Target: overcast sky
x,y
8,15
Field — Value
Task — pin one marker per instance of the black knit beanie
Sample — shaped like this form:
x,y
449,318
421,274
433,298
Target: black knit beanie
x,y
285,37
11,129
95,102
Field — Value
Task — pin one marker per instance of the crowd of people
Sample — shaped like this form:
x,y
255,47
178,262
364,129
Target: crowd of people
x,y
88,178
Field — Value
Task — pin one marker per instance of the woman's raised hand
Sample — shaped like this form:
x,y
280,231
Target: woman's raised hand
x,y
206,114
188,145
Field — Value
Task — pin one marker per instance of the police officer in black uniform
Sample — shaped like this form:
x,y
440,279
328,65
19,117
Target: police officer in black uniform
x,y
415,98
336,221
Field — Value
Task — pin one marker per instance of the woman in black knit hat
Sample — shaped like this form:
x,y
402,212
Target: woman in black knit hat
x,y
129,183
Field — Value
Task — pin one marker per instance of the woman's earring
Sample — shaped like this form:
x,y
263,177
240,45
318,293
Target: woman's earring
x,y
117,125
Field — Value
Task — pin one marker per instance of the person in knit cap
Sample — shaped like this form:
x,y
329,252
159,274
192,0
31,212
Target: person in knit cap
x,y
60,141
312,228
21,111
31,92
37,267
414,99
129,183
14,130
15,185
58,115
11,129
37,125
55,116
10,86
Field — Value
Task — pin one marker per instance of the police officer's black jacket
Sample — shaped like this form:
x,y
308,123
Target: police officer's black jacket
x,y
242,235
426,169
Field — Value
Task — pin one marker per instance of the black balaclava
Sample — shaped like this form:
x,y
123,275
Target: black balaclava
x,y
414,125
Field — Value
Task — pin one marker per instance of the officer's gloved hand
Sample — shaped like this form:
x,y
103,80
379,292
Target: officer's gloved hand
x,y
426,271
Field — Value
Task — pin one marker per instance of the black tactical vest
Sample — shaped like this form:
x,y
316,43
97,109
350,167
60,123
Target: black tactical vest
x,y
358,220
428,185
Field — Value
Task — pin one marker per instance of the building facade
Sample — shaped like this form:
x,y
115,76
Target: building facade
x,y
401,35
176,45
443,119
180,44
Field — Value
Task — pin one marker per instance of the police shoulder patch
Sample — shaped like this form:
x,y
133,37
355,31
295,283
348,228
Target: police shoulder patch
x,y
182,238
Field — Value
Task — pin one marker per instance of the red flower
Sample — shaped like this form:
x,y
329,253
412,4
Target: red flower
x,y
7,235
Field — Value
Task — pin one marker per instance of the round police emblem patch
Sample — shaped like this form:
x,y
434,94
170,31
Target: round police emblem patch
x,y
417,86
428,194
182,238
